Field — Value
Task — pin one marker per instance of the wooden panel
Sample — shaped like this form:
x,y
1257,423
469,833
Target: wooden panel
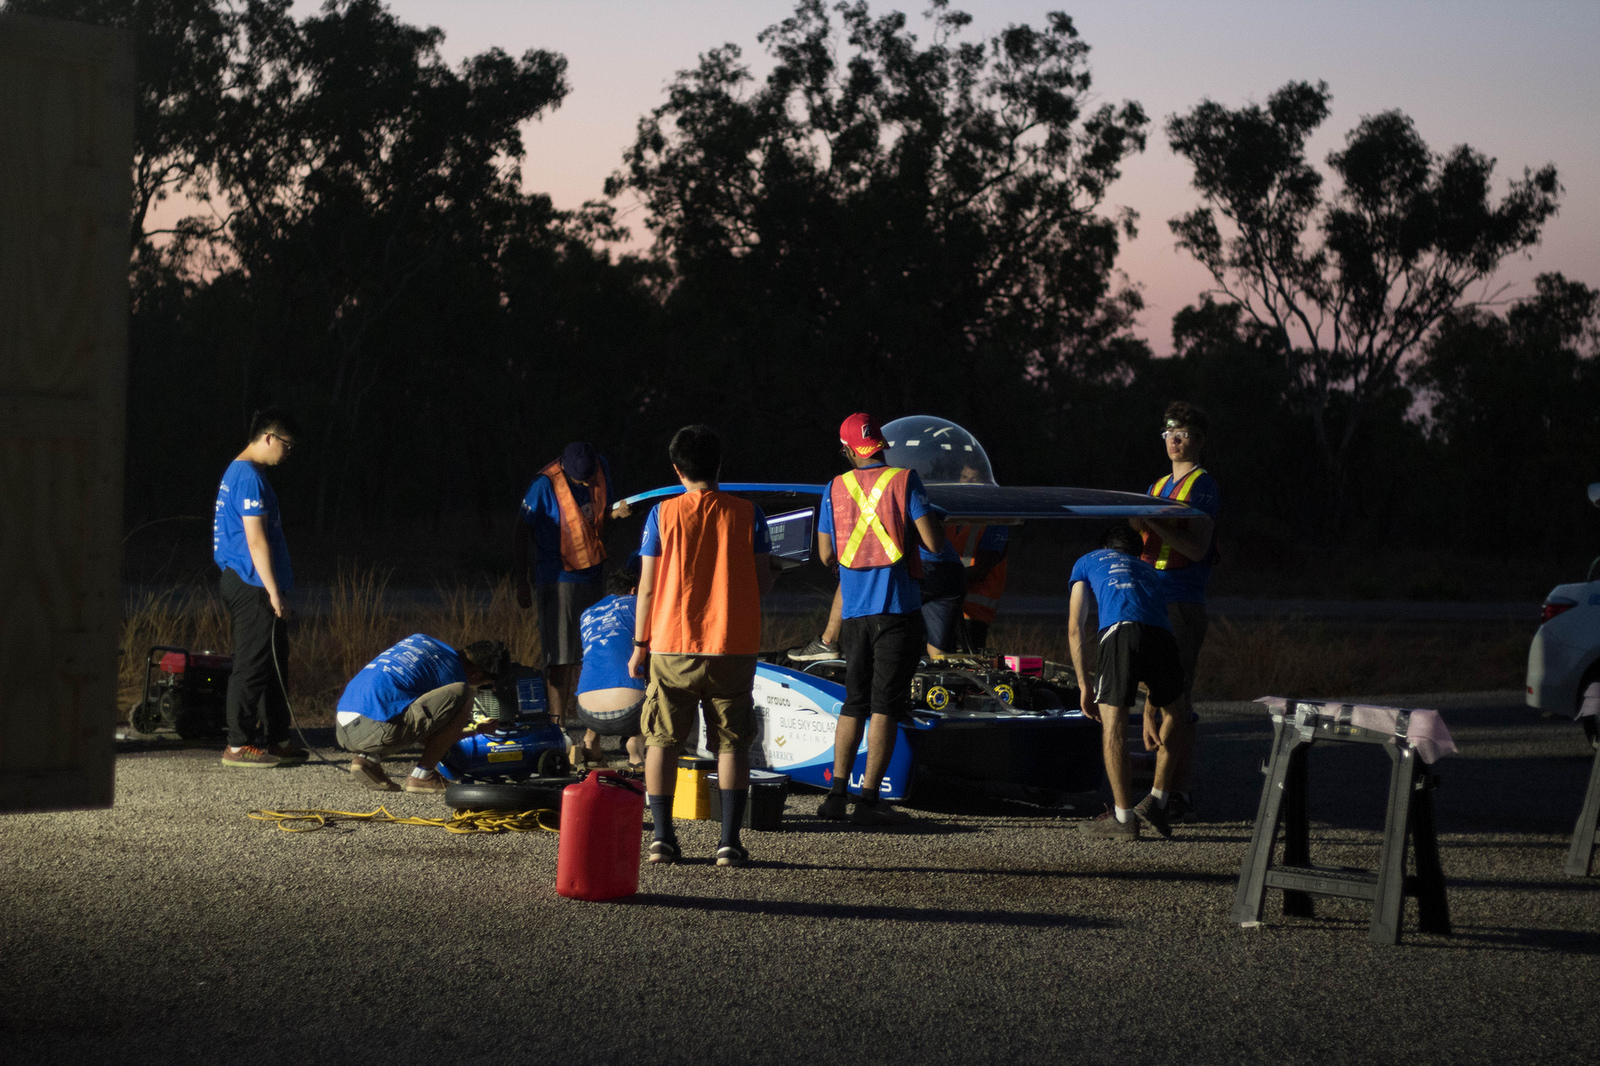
x,y
66,148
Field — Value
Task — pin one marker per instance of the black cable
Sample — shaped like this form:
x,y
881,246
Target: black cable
x,y
283,686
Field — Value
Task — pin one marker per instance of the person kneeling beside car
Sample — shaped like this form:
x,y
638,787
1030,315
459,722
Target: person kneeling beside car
x,y
417,692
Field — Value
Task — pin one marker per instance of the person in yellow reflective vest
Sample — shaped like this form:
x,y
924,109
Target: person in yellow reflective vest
x,y
873,519
1182,551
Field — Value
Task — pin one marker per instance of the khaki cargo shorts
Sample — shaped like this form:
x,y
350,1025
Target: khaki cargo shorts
x,y
680,685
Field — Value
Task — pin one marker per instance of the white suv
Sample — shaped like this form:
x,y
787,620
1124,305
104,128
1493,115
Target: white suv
x,y
1564,659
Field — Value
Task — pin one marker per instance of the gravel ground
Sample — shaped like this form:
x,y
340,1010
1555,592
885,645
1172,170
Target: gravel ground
x,y
172,929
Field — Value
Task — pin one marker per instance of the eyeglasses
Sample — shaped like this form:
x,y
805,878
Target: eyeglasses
x,y
1179,435
288,445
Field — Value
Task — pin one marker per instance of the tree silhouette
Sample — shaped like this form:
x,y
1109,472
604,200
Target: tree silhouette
x,y
1396,246
357,168
182,54
1514,401
885,222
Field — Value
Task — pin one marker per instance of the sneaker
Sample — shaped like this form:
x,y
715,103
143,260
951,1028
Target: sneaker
x,y
836,808
732,855
430,783
1106,827
250,757
369,774
666,852
815,652
879,814
1151,813
288,751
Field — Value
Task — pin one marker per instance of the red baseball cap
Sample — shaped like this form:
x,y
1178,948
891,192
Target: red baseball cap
x,y
860,433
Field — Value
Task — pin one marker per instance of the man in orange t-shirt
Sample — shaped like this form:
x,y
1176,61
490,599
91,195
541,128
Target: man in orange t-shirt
x,y
705,563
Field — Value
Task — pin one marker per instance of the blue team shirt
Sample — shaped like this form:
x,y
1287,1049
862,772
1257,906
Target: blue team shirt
x,y
541,512
994,539
387,685
1188,584
650,545
244,493
884,589
607,630
1126,588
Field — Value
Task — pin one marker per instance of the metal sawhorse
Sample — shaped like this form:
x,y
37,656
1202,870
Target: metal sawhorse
x,y
1587,832
1283,800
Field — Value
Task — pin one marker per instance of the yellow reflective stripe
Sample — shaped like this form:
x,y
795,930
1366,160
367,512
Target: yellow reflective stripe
x,y
868,519
1163,557
1188,484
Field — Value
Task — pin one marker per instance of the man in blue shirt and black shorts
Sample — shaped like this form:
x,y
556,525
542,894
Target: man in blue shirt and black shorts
x,y
1136,645
871,519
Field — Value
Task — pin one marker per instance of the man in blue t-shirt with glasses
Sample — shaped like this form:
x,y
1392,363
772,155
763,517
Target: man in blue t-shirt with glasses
x,y
1135,645
247,543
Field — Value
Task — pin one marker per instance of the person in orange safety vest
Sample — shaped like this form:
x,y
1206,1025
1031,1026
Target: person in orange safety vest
x,y
705,562
563,516
983,553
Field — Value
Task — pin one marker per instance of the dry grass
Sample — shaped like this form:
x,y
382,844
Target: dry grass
x,y
1294,657
362,617
1240,660
1288,657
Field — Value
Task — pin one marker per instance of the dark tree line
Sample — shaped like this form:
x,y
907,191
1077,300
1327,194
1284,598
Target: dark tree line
x,y
898,217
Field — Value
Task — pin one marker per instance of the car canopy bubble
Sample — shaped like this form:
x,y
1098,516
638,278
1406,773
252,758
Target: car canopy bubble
x,y
940,451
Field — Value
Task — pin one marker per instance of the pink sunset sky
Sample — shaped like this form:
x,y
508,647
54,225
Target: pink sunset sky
x,y
1519,81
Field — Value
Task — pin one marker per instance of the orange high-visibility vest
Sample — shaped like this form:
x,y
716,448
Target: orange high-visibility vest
x,y
705,599
580,536
983,597
871,527
1157,552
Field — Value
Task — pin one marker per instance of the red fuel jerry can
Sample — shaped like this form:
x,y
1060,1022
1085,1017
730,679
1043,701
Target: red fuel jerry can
x,y
601,820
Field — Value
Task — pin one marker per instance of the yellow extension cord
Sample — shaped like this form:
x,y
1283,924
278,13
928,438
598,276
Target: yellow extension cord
x,y
461,822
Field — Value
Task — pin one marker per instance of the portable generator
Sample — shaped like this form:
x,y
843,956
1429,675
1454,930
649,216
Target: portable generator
x,y
515,741
185,692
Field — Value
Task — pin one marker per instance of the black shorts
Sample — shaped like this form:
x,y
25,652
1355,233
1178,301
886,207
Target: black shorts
x,y
881,653
1131,652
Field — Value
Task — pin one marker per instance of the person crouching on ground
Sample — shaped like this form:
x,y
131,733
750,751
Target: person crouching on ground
x,y
417,692
705,563
610,699
1136,645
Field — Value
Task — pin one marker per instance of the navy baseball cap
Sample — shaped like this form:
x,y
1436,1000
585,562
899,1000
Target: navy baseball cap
x,y
579,461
